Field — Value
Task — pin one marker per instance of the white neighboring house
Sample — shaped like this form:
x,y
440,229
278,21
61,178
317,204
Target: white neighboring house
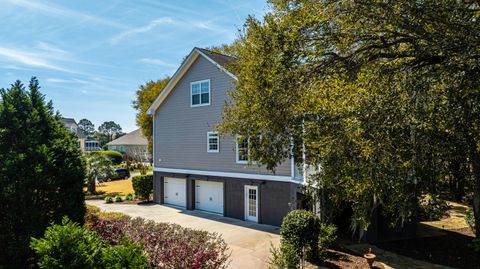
x,y
133,144
84,143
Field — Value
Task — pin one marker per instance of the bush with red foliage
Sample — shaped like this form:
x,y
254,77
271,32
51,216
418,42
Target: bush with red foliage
x,y
167,245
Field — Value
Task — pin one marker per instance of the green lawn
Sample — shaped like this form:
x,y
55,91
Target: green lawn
x,y
112,188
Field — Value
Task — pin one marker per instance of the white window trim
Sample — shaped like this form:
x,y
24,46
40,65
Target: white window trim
x,y
236,151
208,142
209,93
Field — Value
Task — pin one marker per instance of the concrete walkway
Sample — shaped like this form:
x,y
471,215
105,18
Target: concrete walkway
x,y
249,242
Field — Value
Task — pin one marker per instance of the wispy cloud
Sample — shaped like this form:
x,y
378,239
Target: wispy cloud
x,y
50,48
156,62
67,81
60,11
142,29
28,58
207,25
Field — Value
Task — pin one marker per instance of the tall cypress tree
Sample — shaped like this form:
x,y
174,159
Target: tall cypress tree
x,y
41,171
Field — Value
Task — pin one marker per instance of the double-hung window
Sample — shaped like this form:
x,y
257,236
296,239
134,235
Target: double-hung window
x,y
213,142
200,93
242,149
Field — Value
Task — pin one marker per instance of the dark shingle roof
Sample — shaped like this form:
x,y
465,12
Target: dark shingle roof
x,y
71,123
133,138
222,59
68,121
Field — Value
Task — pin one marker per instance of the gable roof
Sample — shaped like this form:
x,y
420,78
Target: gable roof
x,y
68,121
135,138
221,61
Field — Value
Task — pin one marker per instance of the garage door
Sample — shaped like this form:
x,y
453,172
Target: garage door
x,y
175,190
209,196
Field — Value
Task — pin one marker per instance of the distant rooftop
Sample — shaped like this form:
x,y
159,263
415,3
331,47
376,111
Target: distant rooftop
x,y
71,123
134,138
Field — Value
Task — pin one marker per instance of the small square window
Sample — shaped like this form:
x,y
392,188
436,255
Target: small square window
x,y
200,93
213,142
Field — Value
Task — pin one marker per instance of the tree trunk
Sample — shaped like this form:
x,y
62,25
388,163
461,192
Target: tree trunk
x,y
91,186
475,158
457,180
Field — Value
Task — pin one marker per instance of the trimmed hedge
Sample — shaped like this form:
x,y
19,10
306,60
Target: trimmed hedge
x,y
143,186
301,230
114,156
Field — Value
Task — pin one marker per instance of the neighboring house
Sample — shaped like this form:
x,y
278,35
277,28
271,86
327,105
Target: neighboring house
x,y
84,143
195,168
134,144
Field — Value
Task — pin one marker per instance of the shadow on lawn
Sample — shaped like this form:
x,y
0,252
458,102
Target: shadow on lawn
x,y
339,258
450,249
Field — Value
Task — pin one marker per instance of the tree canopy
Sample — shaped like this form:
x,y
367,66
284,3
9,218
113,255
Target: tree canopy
x,y
87,127
110,130
384,97
41,171
145,96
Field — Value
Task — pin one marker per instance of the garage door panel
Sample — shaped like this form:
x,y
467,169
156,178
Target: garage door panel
x,y
175,190
209,196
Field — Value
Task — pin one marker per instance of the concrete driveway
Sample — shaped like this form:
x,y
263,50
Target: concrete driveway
x,y
249,242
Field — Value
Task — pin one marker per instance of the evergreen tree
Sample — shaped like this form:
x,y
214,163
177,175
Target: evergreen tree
x,y
41,171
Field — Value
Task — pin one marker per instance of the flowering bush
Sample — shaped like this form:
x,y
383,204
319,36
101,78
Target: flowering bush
x,y
167,245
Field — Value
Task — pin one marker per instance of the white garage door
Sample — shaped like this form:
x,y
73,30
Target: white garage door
x,y
175,190
209,196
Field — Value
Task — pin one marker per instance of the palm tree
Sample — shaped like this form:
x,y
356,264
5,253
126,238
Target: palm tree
x,y
97,166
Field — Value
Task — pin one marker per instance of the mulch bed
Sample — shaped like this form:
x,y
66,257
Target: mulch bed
x,y
336,259
449,250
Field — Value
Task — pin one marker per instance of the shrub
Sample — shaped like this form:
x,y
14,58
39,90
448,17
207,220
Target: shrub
x,y
432,207
327,236
68,246
167,245
94,212
126,255
143,186
118,199
301,230
284,257
470,219
114,156
129,197
71,246
475,245
108,199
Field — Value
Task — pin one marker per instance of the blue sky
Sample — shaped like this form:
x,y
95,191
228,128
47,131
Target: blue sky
x,y
91,56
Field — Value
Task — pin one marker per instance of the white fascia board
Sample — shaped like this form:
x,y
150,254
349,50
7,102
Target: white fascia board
x,y
226,174
179,74
217,65
173,81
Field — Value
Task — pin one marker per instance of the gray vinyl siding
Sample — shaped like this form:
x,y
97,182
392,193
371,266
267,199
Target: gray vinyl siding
x,y
181,131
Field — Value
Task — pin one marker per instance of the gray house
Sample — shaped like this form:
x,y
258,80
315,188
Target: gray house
x,y
195,168
134,144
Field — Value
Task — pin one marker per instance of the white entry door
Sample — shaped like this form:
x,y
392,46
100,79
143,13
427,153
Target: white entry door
x,y
251,203
174,191
209,196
